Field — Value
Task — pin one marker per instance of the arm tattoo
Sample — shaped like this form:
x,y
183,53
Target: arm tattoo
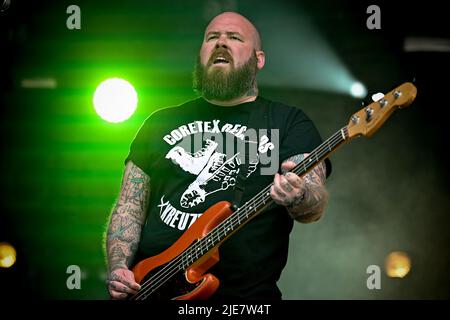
x,y
127,218
133,187
309,206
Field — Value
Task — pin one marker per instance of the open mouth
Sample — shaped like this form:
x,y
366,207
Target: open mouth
x,y
220,60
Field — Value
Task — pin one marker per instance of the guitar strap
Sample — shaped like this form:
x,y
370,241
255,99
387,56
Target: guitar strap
x,y
258,119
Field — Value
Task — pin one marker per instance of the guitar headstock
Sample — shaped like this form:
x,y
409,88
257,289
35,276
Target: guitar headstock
x,y
367,120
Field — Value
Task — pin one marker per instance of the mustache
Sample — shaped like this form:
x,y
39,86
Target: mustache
x,y
219,52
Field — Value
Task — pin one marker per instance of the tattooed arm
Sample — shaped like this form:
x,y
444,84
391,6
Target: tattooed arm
x,y
124,231
305,198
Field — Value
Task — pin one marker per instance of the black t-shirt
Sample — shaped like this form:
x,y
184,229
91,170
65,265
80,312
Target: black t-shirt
x,y
193,154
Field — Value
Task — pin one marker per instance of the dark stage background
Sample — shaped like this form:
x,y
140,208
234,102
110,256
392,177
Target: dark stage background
x,y
61,164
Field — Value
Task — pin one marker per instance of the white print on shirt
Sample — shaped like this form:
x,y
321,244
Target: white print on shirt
x,y
194,127
264,145
175,218
192,163
214,172
199,150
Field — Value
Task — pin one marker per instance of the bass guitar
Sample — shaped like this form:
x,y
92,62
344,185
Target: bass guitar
x,y
180,272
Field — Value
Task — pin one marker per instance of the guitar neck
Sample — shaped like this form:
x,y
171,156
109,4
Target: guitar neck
x,y
259,202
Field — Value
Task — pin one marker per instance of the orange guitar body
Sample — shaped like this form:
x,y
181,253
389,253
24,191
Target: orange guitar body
x,y
197,285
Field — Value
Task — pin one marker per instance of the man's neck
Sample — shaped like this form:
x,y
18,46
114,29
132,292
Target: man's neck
x,y
251,95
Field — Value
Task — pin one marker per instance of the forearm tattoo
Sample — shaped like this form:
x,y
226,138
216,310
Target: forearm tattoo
x,y
309,205
127,218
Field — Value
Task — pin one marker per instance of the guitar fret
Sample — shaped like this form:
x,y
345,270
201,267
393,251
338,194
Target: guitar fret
x,y
328,144
225,228
217,235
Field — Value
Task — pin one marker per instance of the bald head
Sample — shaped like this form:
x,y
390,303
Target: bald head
x,y
230,57
238,21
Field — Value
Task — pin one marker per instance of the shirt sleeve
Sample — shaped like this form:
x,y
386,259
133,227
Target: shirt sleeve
x,y
301,136
141,151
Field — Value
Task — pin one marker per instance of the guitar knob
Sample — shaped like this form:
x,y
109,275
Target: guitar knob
x,y
369,112
397,94
355,119
383,103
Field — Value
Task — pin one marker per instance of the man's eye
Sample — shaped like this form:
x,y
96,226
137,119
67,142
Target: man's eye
x,y
212,37
235,38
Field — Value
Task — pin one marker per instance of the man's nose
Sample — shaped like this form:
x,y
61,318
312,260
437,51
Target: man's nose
x,y
221,42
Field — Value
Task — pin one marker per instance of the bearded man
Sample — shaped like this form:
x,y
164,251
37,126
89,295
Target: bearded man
x,y
186,158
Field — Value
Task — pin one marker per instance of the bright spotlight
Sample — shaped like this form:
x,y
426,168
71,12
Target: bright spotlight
x,y
7,255
358,90
397,264
115,100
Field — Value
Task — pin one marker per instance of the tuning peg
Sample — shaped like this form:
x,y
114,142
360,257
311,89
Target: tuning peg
x,y
369,112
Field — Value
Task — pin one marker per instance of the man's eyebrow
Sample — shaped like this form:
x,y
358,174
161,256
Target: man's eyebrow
x,y
234,34
210,33
229,33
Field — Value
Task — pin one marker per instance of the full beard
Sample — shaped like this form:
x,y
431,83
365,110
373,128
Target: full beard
x,y
221,85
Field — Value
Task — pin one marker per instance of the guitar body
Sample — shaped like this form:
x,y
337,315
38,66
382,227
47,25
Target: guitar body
x,y
191,283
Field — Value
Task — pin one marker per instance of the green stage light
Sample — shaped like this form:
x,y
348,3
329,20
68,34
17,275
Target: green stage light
x,y
115,100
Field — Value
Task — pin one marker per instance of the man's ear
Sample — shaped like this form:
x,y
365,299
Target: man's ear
x,y
261,59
